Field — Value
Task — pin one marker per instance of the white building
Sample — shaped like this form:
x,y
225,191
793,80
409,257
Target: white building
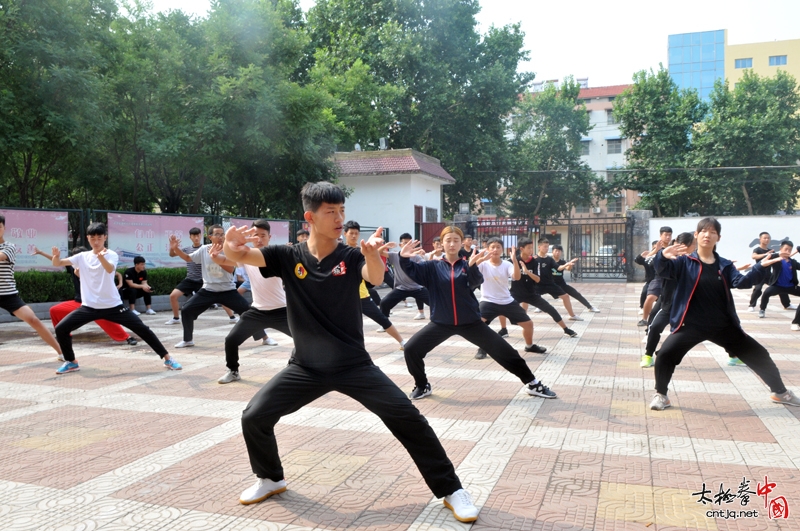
x,y
396,189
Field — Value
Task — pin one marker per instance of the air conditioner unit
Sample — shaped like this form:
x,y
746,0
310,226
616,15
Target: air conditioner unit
x,y
596,210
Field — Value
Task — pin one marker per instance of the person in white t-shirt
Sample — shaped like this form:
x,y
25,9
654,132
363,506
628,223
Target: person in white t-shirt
x,y
267,311
9,296
100,299
496,299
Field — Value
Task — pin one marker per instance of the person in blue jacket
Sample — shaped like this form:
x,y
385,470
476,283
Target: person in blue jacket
x,y
455,311
703,310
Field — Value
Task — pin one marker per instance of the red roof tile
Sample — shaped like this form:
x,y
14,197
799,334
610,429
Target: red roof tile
x,y
389,162
603,92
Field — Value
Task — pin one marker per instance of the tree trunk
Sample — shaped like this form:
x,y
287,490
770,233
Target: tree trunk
x,y
199,194
747,199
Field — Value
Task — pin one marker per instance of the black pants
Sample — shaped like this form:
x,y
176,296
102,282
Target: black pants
x,y
478,333
131,294
397,295
643,295
572,292
203,300
537,301
252,323
757,291
371,310
733,339
120,315
773,290
296,386
654,329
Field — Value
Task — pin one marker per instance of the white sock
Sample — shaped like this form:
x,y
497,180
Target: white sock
x,y
529,345
535,381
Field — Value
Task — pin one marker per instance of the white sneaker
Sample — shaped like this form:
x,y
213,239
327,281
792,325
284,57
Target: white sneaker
x,y
594,309
751,309
537,310
419,317
575,318
380,330
150,311
403,345
791,307
641,311
269,342
409,305
234,319
134,312
460,502
660,402
263,489
230,376
61,356
184,344
174,321
795,327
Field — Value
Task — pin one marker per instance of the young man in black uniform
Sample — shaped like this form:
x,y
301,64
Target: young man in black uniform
x,y
558,277
322,277
136,286
524,289
759,253
783,280
547,285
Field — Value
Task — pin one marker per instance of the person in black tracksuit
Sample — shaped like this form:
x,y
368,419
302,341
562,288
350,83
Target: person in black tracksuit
x,y
455,311
558,277
703,310
783,281
763,251
649,274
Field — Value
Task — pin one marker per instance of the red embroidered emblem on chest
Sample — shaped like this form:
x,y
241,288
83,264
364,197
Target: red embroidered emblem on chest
x,y
339,270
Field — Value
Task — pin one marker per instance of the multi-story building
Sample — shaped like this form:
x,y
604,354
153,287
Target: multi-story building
x,y
697,60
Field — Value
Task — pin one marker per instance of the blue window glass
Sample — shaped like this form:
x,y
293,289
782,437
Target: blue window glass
x,y
697,39
696,67
677,79
707,65
697,56
704,92
720,65
686,54
777,60
708,78
675,40
675,68
719,36
708,37
720,72
675,55
708,52
687,39
686,80
719,50
696,80
744,63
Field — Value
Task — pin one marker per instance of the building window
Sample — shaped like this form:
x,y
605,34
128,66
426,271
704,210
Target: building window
x,y
431,214
744,63
489,209
582,209
610,117
777,60
584,148
611,175
614,147
614,204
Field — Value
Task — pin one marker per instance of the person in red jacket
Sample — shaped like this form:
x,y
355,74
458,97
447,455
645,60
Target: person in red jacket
x,y
455,311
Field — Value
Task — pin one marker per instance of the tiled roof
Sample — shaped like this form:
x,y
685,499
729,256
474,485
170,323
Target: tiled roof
x,y
389,162
602,92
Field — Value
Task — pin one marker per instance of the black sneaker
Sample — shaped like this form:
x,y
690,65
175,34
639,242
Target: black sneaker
x,y
570,332
131,341
641,322
503,332
418,393
536,349
540,390
481,354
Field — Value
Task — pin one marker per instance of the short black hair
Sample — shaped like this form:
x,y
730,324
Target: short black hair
x,y
543,240
2,220
406,236
760,234
351,225
437,239
494,239
97,229
302,232
261,224
139,260
664,229
653,243
314,194
77,249
787,242
685,238
524,242
558,248
709,222
195,230
468,236
215,226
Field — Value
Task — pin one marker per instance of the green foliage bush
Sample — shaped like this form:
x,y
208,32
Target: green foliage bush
x,y
56,286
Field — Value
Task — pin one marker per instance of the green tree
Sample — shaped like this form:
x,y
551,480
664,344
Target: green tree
x,y
755,124
659,119
548,177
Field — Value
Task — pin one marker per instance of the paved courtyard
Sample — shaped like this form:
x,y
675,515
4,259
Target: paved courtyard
x,y
124,444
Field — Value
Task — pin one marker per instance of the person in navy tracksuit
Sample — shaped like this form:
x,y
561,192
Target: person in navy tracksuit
x,y
703,310
455,311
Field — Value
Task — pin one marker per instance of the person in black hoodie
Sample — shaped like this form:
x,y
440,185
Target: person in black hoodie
x,y
783,280
455,311
703,310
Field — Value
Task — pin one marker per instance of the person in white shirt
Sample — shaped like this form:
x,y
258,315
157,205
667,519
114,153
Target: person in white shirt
x,y
100,299
267,311
10,300
496,299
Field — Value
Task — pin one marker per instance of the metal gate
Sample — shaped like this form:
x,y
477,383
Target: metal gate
x,y
602,246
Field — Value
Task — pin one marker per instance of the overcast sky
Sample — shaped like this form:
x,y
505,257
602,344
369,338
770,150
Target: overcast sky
x,y
609,41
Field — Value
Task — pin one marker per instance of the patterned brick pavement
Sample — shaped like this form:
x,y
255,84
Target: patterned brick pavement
x,y
125,444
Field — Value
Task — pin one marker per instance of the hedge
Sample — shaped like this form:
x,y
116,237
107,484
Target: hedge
x,y
56,286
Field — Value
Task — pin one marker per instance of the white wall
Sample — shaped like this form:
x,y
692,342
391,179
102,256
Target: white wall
x,y
739,233
388,200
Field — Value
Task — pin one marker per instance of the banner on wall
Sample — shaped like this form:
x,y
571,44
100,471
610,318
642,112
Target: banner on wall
x,y
147,235
279,230
29,229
